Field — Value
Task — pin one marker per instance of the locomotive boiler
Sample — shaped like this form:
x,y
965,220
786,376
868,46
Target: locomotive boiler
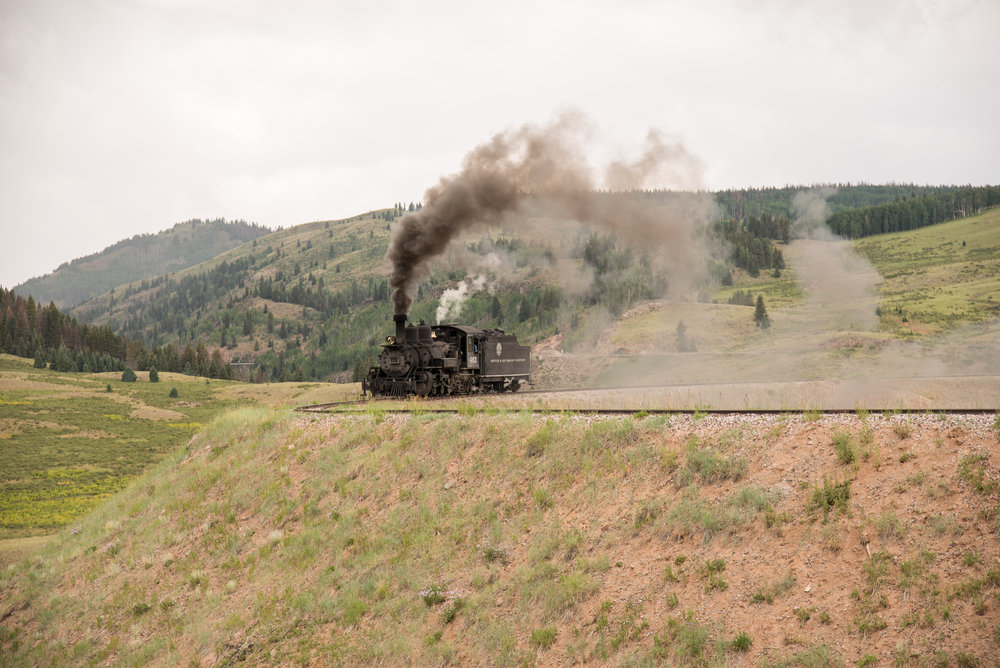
x,y
448,359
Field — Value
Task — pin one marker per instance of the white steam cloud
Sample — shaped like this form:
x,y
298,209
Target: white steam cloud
x,y
451,302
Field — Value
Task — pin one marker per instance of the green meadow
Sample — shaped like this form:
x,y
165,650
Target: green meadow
x,y
67,442
938,277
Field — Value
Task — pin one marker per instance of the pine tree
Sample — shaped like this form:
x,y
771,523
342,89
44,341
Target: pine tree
x,y
154,375
760,314
684,344
360,371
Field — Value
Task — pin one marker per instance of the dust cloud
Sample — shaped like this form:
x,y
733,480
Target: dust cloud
x,y
840,284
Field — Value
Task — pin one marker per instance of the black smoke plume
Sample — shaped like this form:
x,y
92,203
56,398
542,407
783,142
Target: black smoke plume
x,y
539,170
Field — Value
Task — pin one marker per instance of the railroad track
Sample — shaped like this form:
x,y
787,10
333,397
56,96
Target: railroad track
x,y
448,405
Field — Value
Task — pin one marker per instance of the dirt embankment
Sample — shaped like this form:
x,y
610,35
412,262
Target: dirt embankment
x,y
533,539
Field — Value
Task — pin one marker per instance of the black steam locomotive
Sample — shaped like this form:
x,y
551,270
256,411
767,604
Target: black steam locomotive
x,y
448,359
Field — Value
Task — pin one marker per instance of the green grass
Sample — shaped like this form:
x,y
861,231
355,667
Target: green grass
x,y
829,495
938,277
69,444
844,446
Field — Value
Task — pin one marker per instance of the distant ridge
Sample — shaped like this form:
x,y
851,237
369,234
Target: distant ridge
x,y
142,256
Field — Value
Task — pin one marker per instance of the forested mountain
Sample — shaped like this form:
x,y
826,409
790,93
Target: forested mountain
x,y
143,256
312,301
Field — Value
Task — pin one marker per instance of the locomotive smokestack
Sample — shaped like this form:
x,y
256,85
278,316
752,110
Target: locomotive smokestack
x,y
400,321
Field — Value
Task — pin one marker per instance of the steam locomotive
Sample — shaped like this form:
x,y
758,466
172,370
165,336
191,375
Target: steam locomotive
x,y
448,359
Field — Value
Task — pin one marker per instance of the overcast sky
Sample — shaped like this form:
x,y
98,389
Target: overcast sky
x,y
120,117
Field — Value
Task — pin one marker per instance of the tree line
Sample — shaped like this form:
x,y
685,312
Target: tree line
x,y
748,202
60,342
914,212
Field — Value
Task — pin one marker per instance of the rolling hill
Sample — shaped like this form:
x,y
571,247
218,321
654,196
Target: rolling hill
x,y
311,301
142,256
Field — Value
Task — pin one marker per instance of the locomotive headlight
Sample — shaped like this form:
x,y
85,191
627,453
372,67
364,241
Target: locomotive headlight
x,y
389,340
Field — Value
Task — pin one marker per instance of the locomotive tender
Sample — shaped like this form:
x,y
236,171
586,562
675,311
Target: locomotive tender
x,y
448,359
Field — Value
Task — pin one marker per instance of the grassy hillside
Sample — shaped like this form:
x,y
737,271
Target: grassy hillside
x,y
142,256
938,277
279,295
71,440
363,540
311,302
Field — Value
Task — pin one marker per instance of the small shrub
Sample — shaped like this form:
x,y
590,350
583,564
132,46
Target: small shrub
x,y
686,637
128,376
945,524
867,660
537,442
544,637
972,469
905,457
716,583
107,388
450,611
902,429
713,567
711,465
543,499
844,446
154,375
173,393
888,525
141,608
742,642
493,553
829,496
647,513
964,660
672,602
433,595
